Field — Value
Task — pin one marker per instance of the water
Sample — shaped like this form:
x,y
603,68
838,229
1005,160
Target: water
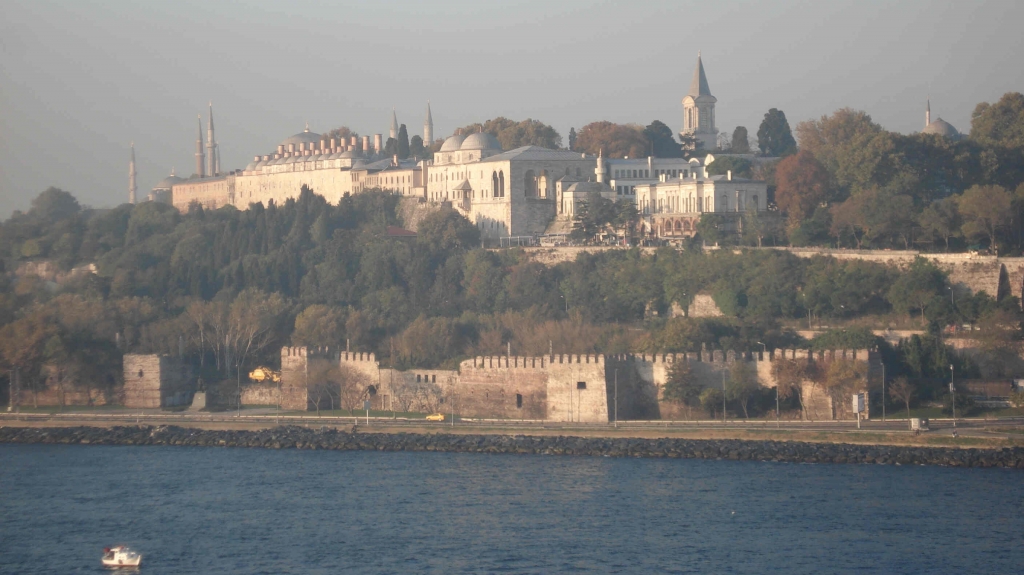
x,y
224,511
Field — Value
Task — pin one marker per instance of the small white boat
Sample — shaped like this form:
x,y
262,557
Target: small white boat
x,y
120,556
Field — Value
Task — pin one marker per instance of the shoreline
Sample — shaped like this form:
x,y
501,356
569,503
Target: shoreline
x,y
293,437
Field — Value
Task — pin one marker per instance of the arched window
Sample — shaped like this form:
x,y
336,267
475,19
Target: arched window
x,y
531,184
494,184
501,184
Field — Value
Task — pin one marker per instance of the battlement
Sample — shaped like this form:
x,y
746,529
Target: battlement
x,y
719,356
527,362
326,353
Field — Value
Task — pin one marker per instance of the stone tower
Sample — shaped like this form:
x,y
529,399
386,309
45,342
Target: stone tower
x,y
131,177
928,113
600,171
211,147
699,110
428,128
200,155
394,125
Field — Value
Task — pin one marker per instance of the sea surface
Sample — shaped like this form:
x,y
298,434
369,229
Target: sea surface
x,y
225,511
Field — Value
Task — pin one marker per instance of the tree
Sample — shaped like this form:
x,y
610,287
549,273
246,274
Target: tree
x,y
391,147
740,167
593,214
740,141
712,228
1000,124
985,210
54,204
512,134
343,134
900,389
839,142
403,142
681,385
941,220
742,384
353,387
572,139
801,186
320,325
790,375
711,400
416,149
615,140
447,230
842,378
323,384
662,142
774,136
916,287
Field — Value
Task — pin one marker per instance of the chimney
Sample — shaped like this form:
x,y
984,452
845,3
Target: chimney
x,y
394,160
291,148
366,143
353,141
378,143
728,175
280,149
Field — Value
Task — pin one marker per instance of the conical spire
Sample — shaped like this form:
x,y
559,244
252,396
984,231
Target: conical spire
x,y
200,154
428,127
699,85
211,146
394,124
131,177
928,113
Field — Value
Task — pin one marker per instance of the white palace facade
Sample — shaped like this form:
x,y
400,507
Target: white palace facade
x,y
527,191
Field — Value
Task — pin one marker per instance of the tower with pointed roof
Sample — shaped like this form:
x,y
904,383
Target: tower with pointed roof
x,y
211,147
131,177
200,155
428,128
394,125
699,110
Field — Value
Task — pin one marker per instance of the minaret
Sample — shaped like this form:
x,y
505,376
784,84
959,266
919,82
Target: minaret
x,y
600,166
200,156
928,113
211,147
394,125
428,128
131,177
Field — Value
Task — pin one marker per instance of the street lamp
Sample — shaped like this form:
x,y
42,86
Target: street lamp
x,y
883,391
952,396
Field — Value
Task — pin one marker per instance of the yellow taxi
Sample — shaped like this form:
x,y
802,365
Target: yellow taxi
x,y
435,417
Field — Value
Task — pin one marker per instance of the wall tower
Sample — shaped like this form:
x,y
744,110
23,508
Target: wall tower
x,y
699,110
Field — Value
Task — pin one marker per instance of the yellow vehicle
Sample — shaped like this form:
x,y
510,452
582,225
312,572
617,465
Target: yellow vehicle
x,y
435,417
262,374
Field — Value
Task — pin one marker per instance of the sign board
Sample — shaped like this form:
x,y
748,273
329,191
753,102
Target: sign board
x,y
858,403
366,405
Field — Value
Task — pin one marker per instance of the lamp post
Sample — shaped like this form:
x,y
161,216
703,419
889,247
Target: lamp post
x,y
616,416
952,396
723,397
883,391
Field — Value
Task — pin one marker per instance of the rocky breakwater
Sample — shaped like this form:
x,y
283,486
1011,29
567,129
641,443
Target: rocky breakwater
x,y
305,438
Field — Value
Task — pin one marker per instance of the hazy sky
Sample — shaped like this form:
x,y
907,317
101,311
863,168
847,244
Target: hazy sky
x,y
80,80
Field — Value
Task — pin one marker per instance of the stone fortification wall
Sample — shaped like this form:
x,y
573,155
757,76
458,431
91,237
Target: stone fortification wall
x,y
412,211
552,388
710,367
153,381
260,394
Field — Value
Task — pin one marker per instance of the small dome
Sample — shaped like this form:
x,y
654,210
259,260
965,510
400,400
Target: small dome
x,y
349,154
250,167
453,143
358,164
166,183
305,137
942,128
481,141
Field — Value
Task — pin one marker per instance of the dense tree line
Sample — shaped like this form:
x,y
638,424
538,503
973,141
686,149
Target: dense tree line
x,y
227,288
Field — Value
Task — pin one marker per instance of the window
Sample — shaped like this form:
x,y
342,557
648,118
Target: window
x,y
519,401
140,373
417,379
581,385
433,379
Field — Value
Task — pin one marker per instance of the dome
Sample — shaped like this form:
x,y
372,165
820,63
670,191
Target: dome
x,y
250,167
481,141
453,143
305,137
358,164
349,154
166,183
942,128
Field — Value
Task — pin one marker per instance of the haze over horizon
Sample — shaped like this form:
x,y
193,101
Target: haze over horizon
x,y
80,81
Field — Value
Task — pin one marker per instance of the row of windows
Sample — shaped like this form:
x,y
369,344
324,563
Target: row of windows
x,y
632,174
625,190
